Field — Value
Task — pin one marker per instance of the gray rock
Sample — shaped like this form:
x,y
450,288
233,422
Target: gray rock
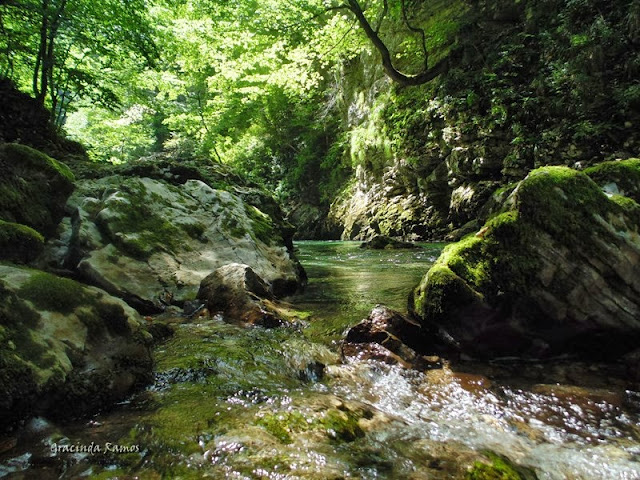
x,y
140,239
66,349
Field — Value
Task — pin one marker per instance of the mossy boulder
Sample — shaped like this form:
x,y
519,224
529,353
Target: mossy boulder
x,y
19,243
65,349
33,188
556,272
620,177
25,120
151,242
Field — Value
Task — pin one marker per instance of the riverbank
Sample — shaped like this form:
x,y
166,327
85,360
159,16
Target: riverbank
x,y
232,402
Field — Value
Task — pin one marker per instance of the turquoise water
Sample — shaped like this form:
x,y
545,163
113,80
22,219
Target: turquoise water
x,y
346,282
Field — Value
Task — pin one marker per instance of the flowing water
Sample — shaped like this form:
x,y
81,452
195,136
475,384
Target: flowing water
x,y
280,404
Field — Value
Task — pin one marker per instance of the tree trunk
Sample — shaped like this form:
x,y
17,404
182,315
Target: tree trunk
x,y
40,90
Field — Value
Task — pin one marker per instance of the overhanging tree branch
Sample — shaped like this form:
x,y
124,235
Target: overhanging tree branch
x,y
425,76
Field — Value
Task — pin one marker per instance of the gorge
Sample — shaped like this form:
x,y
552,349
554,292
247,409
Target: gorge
x,y
185,289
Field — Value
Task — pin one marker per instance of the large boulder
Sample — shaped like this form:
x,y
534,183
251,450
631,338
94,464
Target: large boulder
x,y
65,349
19,243
557,272
33,188
151,242
23,119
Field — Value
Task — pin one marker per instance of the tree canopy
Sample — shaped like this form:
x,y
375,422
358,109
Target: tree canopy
x,y
251,83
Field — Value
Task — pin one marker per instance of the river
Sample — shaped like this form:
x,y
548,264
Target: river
x,y
281,404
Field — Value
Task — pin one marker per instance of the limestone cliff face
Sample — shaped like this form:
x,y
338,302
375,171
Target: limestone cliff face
x,y
528,87
556,272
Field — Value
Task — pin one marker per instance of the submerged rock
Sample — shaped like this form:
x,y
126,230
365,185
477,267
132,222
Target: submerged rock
x,y
557,272
66,349
381,242
151,242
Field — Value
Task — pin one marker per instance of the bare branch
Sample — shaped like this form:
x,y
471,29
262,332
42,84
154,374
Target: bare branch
x,y
387,63
417,30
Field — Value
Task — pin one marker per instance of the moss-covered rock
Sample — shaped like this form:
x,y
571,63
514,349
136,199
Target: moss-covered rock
x,y
65,349
25,120
497,467
33,188
19,243
151,242
558,271
621,177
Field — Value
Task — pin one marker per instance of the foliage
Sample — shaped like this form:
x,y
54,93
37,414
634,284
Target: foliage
x,y
65,50
556,80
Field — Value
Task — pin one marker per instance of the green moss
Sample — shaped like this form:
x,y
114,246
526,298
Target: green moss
x,y
33,188
561,202
262,225
499,468
343,425
282,425
137,228
340,425
465,260
194,230
49,292
19,243
624,173
440,291
37,160
231,224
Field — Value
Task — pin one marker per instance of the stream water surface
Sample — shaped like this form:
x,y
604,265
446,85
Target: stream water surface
x,y
279,403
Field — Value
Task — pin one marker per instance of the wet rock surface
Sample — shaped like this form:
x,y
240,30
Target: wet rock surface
x,y
237,292
391,337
